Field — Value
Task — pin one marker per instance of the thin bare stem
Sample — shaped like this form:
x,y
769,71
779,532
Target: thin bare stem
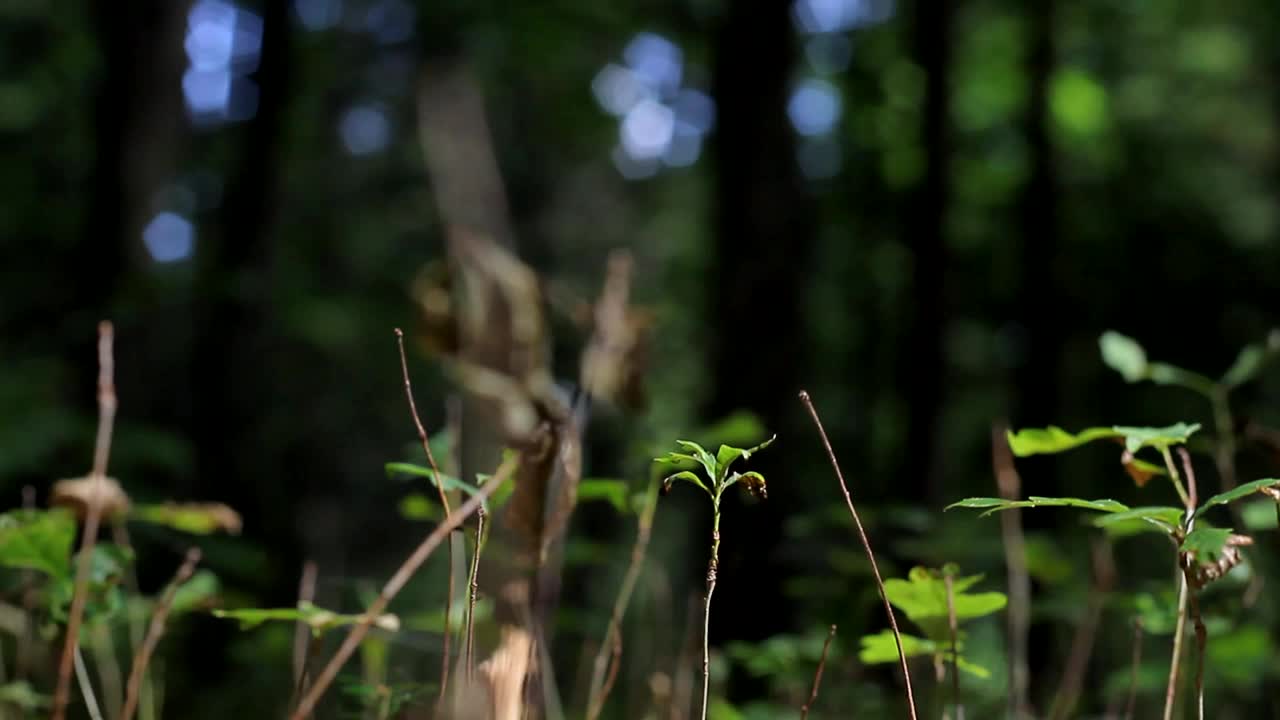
x,y
1171,690
444,501
612,645
93,514
86,687
817,675
1202,639
713,567
1009,484
154,632
866,544
301,632
473,590
1132,700
1082,644
953,626
396,584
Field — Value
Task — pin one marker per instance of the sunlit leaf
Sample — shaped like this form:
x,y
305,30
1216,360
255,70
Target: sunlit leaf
x,y
193,518
417,506
686,475
739,428
726,455
923,597
1236,493
992,505
318,619
882,648
1136,438
197,593
1053,439
1124,355
704,458
972,668
450,483
37,540
1155,518
609,490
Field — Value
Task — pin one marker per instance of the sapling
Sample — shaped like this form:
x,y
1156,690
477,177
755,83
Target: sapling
x,y
718,480
1203,553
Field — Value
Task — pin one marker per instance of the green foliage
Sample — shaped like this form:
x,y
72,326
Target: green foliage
x,y
923,598
385,701
37,540
1053,439
1240,491
716,467
610,490
1206,543
1149,518
992,505
21,695
191,518
104,597
197,593
318,619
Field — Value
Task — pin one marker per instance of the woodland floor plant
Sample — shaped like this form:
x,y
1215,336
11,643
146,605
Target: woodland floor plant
x,y
1202,553
718,479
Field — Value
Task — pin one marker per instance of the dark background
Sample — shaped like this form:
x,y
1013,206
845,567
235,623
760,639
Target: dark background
x,y
923,212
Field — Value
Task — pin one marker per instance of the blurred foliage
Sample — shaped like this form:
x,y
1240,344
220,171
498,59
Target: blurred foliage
x,y
1094,165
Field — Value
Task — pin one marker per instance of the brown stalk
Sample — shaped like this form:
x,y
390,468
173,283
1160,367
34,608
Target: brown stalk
x,y
866,545
953,626
301,632
1131,701
473,590
610,652
1104,574
396,584
1193,601
1184,587
93,515
1009,484
817,675
444,501
154,631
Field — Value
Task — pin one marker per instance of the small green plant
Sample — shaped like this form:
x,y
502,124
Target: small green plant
x,y
937,601
1203,553
718,479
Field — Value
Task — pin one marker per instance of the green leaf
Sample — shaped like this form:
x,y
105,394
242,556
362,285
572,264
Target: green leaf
x,y
197,593
37,540
1136,438
972,668
687,476
882,648
610,490
923,597
738,428
318,619
450,483
107,566
417,506
1207,543
1251,359
1053,439
992,505
192,518
22,695
706,459
1124,355
726,455
1236,493
1156,518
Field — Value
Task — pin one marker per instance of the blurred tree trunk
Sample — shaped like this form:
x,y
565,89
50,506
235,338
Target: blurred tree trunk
x,y
924,367
764,234
137,120
232,359
1039,303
